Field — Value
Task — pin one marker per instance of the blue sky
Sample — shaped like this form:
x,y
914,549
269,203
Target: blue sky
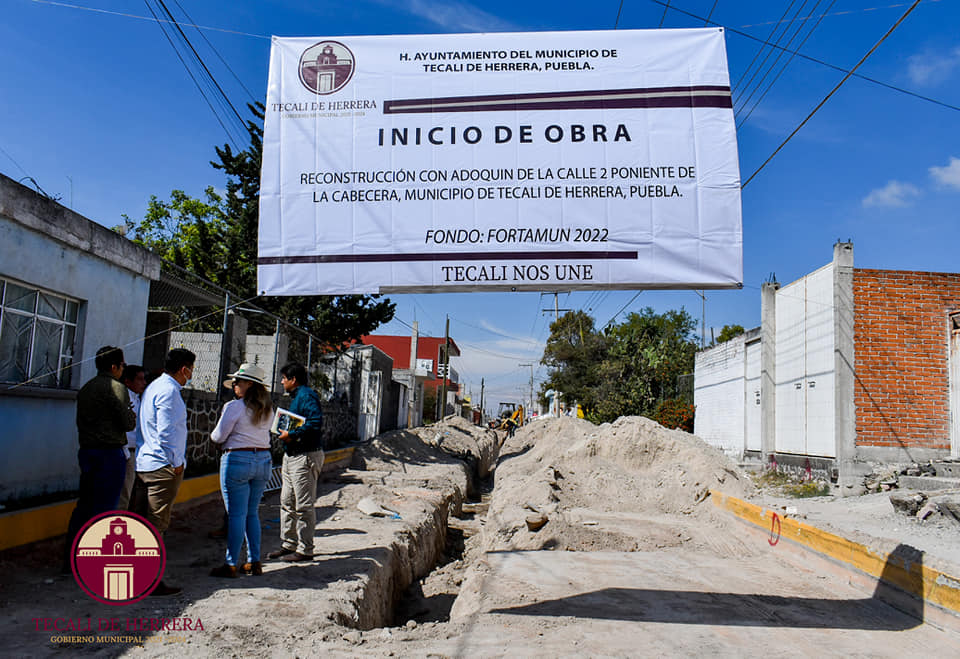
x,y
98,110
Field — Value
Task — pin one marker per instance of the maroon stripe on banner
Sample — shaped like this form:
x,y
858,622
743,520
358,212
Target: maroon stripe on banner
x,y
460,256
699,96
594,104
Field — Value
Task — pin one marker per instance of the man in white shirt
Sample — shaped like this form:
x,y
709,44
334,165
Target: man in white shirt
x,y
135,379
162,446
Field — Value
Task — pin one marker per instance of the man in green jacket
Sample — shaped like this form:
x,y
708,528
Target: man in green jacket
x,y
104,415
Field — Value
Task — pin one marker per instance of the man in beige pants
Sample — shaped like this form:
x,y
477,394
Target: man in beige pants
x,y
302,462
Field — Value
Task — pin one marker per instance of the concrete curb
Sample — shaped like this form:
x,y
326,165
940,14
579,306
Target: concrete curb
x,y
22,527
933,586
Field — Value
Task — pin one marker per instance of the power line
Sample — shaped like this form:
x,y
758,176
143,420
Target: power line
x,y
833,91
192,77
784,68
764,44
665,8
820,61
506,336
619,9
215,51
203,64
609,322
140,17
776,49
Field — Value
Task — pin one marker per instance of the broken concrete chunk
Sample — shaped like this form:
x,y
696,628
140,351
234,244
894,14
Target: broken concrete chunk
x,y
907,503
928,509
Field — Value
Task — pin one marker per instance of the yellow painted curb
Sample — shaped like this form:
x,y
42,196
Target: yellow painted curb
x,y
923,581
22,527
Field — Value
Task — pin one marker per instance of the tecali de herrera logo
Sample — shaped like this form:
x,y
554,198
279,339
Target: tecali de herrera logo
x,y
326,67
118,558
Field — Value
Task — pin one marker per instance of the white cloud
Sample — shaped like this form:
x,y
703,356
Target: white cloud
x,y
932,68
893,194
454,15
949,175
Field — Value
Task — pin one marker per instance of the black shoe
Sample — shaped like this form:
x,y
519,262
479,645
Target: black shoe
x,y
280,553
296,557
225,571
163,590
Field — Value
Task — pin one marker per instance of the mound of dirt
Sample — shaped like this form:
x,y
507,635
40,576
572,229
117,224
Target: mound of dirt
x,y
453,442
577,474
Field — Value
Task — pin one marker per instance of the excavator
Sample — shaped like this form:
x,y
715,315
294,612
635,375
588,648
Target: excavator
x,y
508,414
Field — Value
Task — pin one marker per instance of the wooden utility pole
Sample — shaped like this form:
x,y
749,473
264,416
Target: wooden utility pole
x,y
446,371
556,307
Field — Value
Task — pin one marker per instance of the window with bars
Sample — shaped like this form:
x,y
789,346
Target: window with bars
x,y
38,332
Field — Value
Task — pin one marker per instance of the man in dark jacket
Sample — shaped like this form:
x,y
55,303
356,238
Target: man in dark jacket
x,y
302,462
104,415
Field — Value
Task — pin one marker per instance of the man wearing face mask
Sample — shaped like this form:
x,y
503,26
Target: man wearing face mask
x,y
162,450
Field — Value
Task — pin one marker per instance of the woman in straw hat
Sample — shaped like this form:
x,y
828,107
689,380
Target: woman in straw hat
x,y
244,432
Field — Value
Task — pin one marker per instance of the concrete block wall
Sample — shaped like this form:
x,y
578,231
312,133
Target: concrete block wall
x,y
902,348
719,375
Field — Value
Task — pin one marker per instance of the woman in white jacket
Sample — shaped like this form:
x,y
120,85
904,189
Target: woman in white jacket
x,y
244,432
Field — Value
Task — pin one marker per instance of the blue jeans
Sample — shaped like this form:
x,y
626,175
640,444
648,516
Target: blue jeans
x,y
243,478
102,471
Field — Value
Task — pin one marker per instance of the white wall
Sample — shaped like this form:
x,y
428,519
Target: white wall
x,y
38,433
718,394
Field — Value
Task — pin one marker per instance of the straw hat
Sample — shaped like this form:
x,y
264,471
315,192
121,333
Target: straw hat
x,y
250,372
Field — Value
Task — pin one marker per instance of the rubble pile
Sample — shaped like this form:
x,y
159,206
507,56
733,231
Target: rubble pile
x,y
559,478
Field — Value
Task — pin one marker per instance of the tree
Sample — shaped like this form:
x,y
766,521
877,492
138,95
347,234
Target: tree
x,y
217,239
573,352
729,332
648,352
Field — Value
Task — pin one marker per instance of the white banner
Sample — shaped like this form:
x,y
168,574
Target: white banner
x,y
525,161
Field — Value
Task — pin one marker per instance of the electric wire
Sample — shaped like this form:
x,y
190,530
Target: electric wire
x,y
216,52
782,69
779,53
665,8
192,77
821,62
832,92
614,317
764,44
774,46
203,65
619,9
140,17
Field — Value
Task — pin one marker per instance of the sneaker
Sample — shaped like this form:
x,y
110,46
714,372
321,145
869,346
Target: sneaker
x,y
255,568
225,571
296,557
163,590
280,553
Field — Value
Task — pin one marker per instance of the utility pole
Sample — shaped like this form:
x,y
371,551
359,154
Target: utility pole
x,y
446,371
530,408
703,319
412,398
481,401
556,307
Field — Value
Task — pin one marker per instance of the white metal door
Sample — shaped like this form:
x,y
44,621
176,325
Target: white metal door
x,y
752,397
791,368
819,380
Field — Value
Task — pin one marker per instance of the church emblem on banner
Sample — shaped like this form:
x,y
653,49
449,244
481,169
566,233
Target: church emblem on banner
x,y
326,67
118,558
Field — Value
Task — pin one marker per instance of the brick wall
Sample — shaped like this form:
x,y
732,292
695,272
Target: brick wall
x,y
901,343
